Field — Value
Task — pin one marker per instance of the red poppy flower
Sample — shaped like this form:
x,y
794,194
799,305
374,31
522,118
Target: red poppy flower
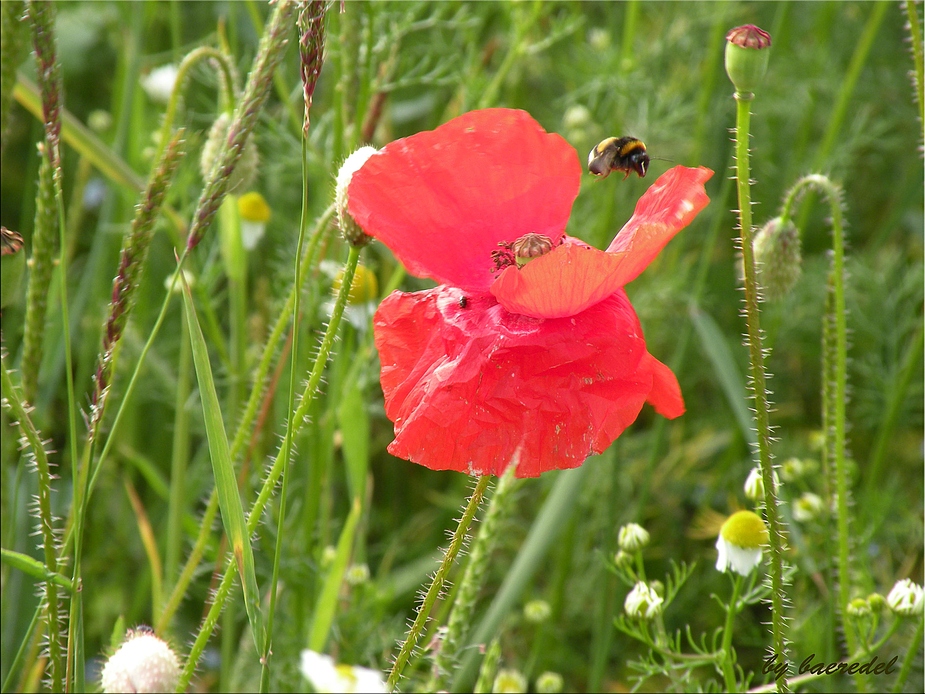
x,y
542,363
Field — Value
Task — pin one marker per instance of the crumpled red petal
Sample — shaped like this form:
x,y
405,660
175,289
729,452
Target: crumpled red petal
x,y
442,200
574,276
472,388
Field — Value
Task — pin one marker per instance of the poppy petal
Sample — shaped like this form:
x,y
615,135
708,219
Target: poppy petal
x,y
669,205
665,395
442,200
471,387
565,281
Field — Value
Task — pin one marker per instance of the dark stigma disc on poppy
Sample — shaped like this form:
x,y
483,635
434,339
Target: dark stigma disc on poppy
x,y
625,154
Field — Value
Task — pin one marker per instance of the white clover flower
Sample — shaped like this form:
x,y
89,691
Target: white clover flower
x,y
906,598
807,507
158,84
143,663
632,537
740,541
643,602
509,682
326,676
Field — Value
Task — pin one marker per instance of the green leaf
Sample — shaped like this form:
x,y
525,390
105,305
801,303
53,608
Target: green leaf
x,y
327,599
724,364
354,427
223,469
33,567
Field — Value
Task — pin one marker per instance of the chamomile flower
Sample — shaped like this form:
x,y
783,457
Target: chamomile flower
x,y
906,598
740,541
326,676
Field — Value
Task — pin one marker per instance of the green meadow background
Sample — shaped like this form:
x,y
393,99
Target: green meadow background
x,y
837,99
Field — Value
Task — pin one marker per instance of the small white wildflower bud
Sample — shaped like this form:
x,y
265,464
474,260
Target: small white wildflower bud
x,y
754,485
642,602
858,607
328,555
792,468
740,541
509,681
143,663
537,611
188,277
549,683
807,507
357,575
633,537
778,258
906,598
352,231
599,39
159,83
99,121
623,559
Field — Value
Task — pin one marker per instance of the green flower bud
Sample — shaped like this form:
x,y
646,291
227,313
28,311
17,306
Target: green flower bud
x,y
246,170
537,611
876,601
510,681
549,683
747,57
778,258
859,607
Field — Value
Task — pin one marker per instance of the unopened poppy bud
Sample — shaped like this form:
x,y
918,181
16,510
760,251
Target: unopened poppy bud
x,y
808,507
740,541
859,607
530,246
363,288
352,231
642,602
906,598
537,611
143,663
246,169
778,258
633,537
549,683
510,681
255,213
747,57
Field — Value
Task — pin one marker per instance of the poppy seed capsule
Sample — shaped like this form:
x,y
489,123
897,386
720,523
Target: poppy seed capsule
x,y
530,246
352,232
747,57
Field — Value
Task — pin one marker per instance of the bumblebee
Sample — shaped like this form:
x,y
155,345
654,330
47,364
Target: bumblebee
x,y
625,154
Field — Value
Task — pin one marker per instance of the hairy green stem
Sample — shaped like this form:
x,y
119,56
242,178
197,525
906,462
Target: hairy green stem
x,y
436,585
758,380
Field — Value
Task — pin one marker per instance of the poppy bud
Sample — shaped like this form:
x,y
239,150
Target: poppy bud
x,y
352,231
143,663
778,258
246,169
747,57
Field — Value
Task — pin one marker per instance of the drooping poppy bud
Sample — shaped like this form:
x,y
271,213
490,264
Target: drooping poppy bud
x,y
351,231
778,258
